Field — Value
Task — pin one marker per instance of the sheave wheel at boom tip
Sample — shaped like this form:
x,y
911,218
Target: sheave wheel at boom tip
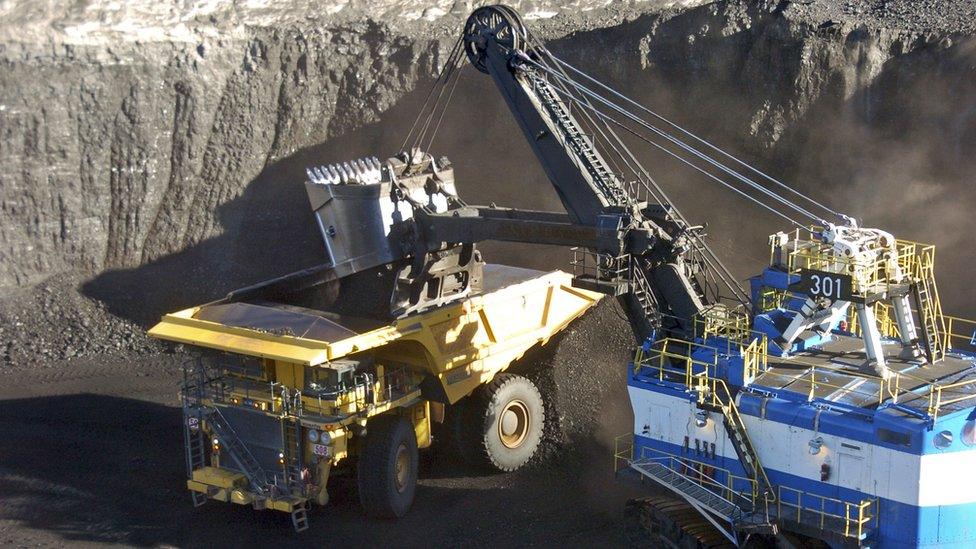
x,y
499,23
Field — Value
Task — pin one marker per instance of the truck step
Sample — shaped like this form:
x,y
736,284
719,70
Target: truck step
x,y
299,518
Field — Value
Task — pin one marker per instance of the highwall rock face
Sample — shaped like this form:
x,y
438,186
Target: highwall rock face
x,y
163,163
117,158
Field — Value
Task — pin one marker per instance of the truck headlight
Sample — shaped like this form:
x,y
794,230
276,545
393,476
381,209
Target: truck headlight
x,y
313,435
325,438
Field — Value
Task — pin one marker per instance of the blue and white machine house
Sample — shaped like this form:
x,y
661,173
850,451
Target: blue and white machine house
x,y
844,411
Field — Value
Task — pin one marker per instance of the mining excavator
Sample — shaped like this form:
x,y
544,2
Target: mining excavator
x,y
831,402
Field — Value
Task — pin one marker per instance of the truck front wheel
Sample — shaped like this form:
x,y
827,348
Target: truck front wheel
x,y
508,416
387,470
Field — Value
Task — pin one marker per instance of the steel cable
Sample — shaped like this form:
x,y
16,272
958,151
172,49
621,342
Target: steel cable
x,y
608,118
691,150
711,259
702,141
446,71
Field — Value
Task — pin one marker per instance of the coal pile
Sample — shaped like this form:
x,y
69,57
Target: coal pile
x,y
54,322
581,374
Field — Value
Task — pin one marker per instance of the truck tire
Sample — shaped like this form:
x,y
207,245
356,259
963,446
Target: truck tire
x,y
507,418
387,469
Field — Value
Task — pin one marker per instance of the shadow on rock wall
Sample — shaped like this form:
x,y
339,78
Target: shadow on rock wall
x,y
845,116
269,230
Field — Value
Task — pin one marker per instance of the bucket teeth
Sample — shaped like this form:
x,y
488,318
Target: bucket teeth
x,y
364,171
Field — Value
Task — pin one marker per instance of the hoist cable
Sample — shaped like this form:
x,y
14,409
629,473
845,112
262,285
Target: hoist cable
x,y
687,148
633,165
622,152
711,259
423,108
708,174
447,73
659,196
448,68
450,95
702,141
698,154
715,267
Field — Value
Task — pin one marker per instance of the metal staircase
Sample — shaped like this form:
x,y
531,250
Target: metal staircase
x,y
194,443
299,516
734,512
709,503
285,487
617,276
640,287
291,444
721,400
929,307
237,450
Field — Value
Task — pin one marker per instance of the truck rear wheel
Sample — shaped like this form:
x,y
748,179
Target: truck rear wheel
x,y
507,417
387,470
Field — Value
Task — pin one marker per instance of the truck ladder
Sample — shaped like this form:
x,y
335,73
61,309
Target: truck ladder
x,y
237,450
292,453
929,308
299,516
291,450
194,443
195,447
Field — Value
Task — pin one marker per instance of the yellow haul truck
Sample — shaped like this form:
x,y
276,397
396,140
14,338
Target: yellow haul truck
x,y
350,363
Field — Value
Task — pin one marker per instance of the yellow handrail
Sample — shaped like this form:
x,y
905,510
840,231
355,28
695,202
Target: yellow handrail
x,y
936,401
721,397
809,252
720,320
915,264
677,463
623,449
664,360
657,358
960,332
856,515
662,355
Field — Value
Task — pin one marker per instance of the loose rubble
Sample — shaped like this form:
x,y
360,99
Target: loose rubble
x,y
53,322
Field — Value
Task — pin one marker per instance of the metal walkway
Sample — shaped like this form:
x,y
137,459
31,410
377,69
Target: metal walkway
x,y
735,517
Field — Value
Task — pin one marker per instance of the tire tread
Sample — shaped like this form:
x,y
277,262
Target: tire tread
x,y
372,473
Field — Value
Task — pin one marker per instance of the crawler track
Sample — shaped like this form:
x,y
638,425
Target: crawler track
x,y
674,523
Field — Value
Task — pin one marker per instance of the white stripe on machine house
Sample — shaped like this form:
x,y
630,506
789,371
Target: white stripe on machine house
x,y
929,480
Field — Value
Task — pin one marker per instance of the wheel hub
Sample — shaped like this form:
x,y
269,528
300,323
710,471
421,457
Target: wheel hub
x,y
401,470
513,424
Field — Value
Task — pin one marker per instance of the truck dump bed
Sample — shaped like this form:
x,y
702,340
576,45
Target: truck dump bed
x,y
463,343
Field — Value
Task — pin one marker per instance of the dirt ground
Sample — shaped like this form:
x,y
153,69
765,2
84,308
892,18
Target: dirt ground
x,y
92,455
